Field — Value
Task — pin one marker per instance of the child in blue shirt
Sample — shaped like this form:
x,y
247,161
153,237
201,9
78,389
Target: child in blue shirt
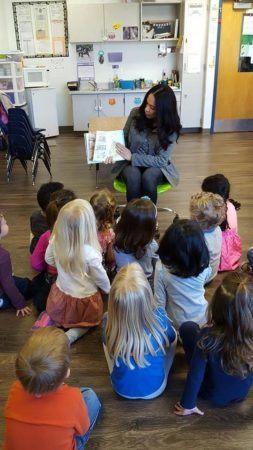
x,y
221,354
138,339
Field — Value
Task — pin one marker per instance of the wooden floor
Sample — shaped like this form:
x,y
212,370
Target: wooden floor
x,y
133,424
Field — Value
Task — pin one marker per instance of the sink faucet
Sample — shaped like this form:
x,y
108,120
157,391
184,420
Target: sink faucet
x,y
93,84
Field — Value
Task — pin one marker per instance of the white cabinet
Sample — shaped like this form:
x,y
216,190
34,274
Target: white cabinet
x,y
42,110
86,22
102,22
193,63
90,105
122,21
133,100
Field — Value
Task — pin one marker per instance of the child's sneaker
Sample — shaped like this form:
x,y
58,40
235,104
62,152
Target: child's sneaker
x,y
44,320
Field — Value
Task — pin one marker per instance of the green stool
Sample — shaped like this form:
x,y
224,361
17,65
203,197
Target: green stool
x,y
120,186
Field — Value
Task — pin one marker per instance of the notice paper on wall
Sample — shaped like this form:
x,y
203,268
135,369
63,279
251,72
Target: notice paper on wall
x,y
41,28
247,27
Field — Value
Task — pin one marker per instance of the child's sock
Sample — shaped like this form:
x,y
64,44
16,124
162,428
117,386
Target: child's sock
x,y
76,333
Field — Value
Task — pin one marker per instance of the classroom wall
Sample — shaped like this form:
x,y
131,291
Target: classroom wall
x,y
3,27
139,60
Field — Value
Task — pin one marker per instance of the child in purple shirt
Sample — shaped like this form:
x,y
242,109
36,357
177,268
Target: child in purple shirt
x,y
13,290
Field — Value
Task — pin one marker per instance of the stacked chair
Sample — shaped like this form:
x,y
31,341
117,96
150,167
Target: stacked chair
x,y
26,143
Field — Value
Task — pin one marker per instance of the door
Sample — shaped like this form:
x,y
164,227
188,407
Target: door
x,y
85,106
234,96
85,22
133,100
111,105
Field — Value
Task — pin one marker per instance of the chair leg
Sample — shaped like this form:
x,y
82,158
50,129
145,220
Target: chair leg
x,y
10,165
24,164
46,163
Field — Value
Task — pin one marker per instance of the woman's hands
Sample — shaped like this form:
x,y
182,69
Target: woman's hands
x,y
24,311
180,411
123,151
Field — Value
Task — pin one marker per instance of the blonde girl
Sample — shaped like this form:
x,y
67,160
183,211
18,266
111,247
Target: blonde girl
x,y
139,341
104,205
75,300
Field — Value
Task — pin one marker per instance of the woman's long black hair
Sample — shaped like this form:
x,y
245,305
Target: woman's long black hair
x,y
167,119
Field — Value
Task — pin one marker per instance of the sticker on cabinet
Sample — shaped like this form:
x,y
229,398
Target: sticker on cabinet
x,y
112,101
137,100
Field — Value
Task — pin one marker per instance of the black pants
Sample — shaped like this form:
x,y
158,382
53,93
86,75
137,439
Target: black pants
x,y
142,181
189,333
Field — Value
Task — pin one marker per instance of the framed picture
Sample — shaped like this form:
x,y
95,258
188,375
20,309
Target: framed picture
x,y
159,29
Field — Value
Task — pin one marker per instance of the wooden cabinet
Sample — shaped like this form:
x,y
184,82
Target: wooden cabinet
x,y
103,22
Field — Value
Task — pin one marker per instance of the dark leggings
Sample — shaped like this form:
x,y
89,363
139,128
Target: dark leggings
x,y
189,333
142,181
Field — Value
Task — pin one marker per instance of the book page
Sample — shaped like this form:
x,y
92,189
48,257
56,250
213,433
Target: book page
x,y
105,145
101,144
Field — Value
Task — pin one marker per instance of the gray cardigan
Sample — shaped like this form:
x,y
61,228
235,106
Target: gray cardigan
x,y
161,159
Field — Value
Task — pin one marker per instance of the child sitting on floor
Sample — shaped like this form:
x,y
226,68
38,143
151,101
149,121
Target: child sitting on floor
x,y
134,236
138,339
104,205
221,354
75,300
181,273
43,281
209,210
38,220
42,412
13,290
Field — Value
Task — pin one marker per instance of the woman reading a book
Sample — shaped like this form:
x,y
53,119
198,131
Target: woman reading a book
x,y
150,135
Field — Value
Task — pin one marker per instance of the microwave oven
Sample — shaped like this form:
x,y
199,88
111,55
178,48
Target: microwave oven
x,y
35,77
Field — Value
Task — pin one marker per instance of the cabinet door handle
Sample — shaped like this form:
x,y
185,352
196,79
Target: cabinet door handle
x,y
100,105
96,106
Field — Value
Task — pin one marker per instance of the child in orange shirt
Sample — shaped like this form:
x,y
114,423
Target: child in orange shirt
x,y
42,412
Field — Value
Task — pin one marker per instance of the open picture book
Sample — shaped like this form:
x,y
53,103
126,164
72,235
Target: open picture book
x,y
99,145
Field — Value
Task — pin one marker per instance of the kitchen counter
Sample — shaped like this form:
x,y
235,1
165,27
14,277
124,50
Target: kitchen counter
x,y
115,91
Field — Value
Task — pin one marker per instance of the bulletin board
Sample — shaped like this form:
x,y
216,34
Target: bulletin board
x,y
41,28
246,44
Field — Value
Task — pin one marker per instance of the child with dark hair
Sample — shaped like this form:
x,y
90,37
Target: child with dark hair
x,y
104,206
13,290
42,412
209,210
221,354
219,184
182,272
38,220
42,282
134,236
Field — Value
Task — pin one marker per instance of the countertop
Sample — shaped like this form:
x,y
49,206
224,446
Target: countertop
x,y
113,91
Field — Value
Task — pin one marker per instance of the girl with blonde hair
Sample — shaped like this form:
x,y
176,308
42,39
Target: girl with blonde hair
x,y
75,300
138,339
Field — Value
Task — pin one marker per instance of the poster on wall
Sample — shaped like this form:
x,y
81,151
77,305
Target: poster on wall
x,y
41,28
246,45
